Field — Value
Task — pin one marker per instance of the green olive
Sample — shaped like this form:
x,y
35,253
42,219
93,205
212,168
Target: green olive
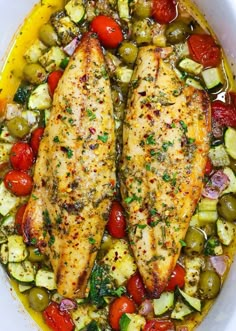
x,y
48,35
128,52
177,32
34,73
18,127
226,207
209,284
195,241
142,32
38,298
143,9
35,255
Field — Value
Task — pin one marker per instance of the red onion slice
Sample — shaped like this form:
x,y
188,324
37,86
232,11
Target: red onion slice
x,y
67,304
146,307
71,47
218,182
219,263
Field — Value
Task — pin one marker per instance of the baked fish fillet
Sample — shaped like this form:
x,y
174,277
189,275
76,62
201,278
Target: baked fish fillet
x,y
165,146
75,171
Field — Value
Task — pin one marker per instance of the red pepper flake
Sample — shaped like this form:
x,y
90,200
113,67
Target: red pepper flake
x,y
92,130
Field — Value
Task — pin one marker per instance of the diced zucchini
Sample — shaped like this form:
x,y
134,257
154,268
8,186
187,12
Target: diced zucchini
x,y
8,224
34,52
40,98
219,156
194,220
213,246
31,117
159,40
4,152
194,303
193,82
190,66
123,74
5,136
230,142
22,94
75,10
182,50
81,316
207,216
193,268
8,201
132,322
47,114
93,326
212,77
121,263
52,59
226,231
232,181
24,287
123,9
180,311
45,278
3,238
17,248
4,253
207,204
23,271
164,303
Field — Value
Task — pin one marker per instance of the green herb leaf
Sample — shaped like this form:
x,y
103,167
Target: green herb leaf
x,y
104,137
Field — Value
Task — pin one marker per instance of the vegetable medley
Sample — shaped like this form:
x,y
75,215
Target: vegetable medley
x,y
116,296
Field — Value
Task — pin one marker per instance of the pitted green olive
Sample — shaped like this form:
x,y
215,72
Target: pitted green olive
x,y
48,35
227,207
34,73
143,8
38,298
128,52
18,127
195,241
142,32
209,284
177,32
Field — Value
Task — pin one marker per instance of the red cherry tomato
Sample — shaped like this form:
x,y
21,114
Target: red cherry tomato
x,y
224,114
108,31
116,223
159,325
53,79
21,156
176,278
117,308
203,49
36,137
136,289
164,11
208,168
58,320
19,218
18,182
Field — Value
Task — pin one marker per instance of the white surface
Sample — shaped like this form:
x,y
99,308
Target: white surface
x,y
222,17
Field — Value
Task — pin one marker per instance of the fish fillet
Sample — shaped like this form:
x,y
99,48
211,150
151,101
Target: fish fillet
x,y
165,146
74,176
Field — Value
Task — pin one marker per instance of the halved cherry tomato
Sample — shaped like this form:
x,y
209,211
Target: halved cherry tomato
x,y
58,320
116,223
135,288
108,31
53,79
203,49
119,307
176,278
19,218
208,168
35,139
159,325
18,182
224,114
164,11
21,156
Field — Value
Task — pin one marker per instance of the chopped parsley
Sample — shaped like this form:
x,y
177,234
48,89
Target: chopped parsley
x,y
90,114
56,139
104,137
150,140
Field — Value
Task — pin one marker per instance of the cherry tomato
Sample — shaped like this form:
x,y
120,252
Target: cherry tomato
x,y
176,278
116,223
18,182
36,137
108,31
19,218
117,308
159,325
164,11
224,114
53,80
136,289
203,49
208,168
57,320
21,156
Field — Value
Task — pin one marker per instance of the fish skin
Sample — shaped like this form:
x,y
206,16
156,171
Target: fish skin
x,y
165,147
75,173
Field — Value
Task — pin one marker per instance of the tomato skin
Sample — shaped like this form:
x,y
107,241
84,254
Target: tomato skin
x,y
53,79
108,31
136,289
19,218
21,156
224,114
203,49
159,325
117,308
57,320
176,278
35,139
164,11
18,182
208,168
116,224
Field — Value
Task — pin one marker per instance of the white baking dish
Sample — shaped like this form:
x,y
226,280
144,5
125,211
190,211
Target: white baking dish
x,y
222,17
